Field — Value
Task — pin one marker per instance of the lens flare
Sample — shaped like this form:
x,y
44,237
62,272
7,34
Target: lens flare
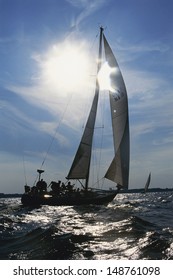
x,y
104,77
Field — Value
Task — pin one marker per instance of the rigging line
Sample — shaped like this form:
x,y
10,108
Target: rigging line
x,y
98,183
62,116
24,169
102,134
53,137
87,105
94,40
94,154
98,156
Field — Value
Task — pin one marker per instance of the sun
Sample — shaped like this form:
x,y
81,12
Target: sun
x,y
66,67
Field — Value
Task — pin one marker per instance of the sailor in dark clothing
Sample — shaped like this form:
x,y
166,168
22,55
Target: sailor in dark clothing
x,y
56,187
69,187
27,189
41,186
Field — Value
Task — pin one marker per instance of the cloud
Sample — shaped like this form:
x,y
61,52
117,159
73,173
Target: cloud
x,y
64,83
142,83
88,7
150,105
15,117
142,46
50,92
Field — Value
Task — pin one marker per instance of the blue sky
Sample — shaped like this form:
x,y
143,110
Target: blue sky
x,y
37,102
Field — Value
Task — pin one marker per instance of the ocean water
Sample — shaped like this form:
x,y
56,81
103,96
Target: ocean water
x,y
132,227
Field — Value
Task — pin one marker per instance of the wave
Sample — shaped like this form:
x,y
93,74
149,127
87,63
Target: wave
x,y
131,227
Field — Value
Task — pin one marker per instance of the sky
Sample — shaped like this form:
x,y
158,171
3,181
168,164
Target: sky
x,y
47,68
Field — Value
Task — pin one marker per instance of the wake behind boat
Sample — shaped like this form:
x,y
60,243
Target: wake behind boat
x,y
117,172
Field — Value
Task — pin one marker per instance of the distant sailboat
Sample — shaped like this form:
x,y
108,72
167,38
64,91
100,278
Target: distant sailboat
x,y
147,183
118,171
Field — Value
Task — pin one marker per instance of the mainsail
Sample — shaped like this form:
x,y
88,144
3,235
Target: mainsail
x,y
119,169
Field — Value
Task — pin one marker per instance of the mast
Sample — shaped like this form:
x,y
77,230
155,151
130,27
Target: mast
x,y
99,54
80,168
97,88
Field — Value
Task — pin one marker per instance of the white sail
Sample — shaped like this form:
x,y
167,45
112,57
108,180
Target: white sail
x,y
147,183
119,169
81,163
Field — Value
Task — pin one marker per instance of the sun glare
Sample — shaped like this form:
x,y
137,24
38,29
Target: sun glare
x,y
66,67
104,77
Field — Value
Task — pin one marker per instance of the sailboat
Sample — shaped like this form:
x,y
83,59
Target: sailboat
x,y
118,170
147,183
